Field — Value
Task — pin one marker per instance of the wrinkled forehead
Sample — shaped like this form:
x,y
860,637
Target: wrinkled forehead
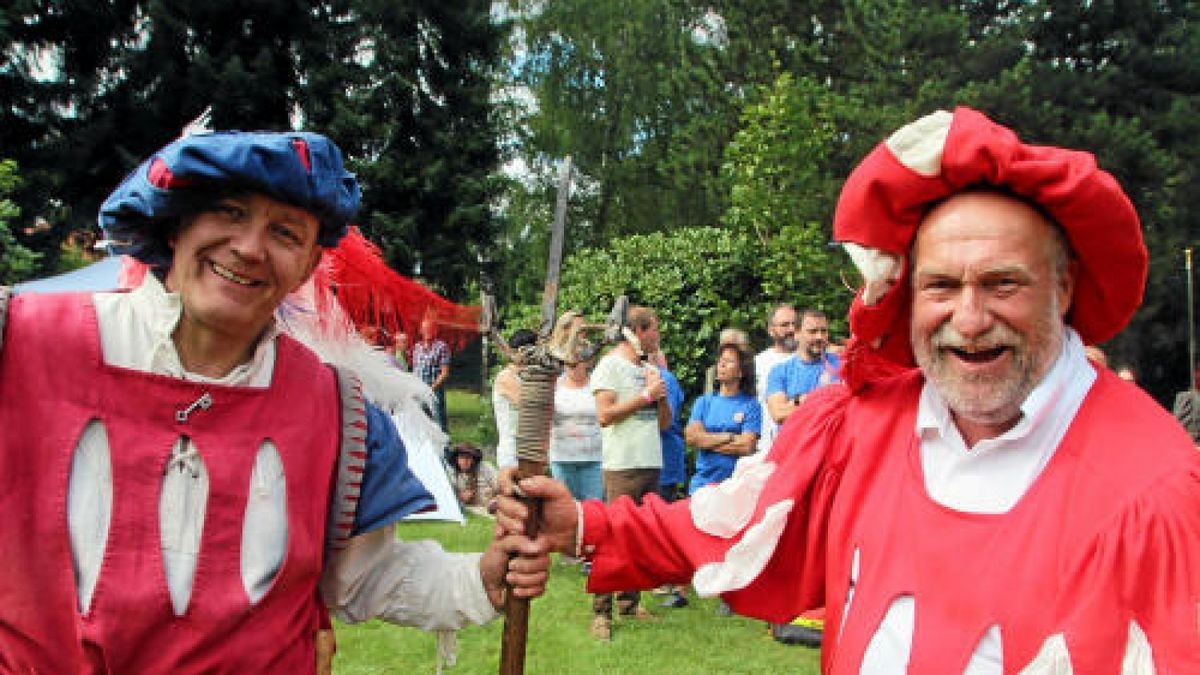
x,y
989,219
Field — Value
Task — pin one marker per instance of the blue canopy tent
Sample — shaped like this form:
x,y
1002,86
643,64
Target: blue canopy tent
x,y
98,276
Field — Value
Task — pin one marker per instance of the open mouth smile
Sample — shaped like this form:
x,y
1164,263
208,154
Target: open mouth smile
x,y
230,275
978,356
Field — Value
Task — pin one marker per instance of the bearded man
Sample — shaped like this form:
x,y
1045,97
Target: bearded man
x,y
1003,507
781,329
790,382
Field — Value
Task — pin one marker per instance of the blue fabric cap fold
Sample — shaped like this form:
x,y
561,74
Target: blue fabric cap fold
x,y
300,168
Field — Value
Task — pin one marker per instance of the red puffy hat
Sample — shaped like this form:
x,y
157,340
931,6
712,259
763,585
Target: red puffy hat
x,y
886,197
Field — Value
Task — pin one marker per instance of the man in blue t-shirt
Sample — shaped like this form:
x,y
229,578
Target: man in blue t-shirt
x,y
674,466
787,386
790,382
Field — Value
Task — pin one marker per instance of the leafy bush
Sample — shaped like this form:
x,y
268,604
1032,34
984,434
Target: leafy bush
x,y
774,246
777,163
783,193
17,262
698,280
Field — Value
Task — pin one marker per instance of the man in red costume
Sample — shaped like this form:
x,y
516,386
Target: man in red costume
x,y
181,479
1001,507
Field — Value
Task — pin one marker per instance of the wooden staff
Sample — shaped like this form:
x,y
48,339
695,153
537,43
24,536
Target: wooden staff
x,y
539,368
540,365
535,416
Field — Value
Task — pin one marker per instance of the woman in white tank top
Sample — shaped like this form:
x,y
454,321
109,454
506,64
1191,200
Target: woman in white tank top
x,y
575,437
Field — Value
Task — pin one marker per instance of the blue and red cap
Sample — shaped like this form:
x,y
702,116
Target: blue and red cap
x,y
300,168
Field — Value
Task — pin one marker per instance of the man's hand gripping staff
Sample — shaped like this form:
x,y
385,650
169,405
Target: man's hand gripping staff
x,y
539,366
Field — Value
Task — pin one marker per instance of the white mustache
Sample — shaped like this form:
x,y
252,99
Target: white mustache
x,y
946,337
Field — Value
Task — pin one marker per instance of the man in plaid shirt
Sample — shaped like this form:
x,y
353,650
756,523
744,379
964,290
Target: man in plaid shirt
x,y
431,363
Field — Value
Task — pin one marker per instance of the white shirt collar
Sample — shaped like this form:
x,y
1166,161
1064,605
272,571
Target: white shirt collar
x,y
136,327
992,476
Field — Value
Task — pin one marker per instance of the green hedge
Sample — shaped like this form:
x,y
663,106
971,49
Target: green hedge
x,y
700,280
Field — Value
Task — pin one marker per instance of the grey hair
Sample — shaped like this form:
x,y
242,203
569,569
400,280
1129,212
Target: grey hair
x,y
733,336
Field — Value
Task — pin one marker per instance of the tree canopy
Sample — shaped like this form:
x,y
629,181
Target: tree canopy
x,y
403,88
736,119
795,93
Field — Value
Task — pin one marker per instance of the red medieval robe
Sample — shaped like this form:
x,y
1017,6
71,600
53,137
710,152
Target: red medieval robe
x,y
1104,545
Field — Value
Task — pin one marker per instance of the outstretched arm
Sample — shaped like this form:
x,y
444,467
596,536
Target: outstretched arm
x,y
724,539
634,547
408,583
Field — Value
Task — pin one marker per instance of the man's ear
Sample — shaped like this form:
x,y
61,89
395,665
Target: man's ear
x,y
1066,287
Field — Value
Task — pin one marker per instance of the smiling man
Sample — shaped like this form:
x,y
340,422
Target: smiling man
x,y
790,382
234,262
991,286
1004,506
183,486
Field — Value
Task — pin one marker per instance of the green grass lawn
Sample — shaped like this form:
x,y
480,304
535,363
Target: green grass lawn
x,y
471,420
690,641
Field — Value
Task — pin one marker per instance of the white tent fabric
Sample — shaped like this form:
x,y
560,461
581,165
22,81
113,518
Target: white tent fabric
x,y
425,460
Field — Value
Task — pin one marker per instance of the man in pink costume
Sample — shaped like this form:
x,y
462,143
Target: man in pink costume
x,y
182,482
1001,507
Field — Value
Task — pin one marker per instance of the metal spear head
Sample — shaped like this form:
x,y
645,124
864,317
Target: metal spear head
x,y
487,314
616,320
554,260
489,326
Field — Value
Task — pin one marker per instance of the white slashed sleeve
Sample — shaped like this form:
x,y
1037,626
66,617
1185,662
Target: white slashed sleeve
x,y
410,583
